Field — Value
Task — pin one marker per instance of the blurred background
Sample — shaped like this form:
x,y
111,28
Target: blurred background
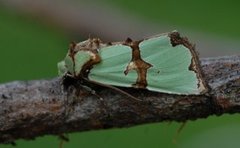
x,y
34,36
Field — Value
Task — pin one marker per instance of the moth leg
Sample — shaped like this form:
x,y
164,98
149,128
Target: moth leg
x,y
183,124
68,75
93,92
63,138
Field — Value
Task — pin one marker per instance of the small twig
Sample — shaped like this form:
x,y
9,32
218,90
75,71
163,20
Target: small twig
x,y
35,108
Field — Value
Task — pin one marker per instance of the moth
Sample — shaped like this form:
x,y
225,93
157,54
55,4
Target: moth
x,y
165,63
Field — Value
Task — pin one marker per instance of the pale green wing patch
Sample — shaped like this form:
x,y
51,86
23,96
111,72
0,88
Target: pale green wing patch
x,y
62,70
111,69
69,64
170,67
80,58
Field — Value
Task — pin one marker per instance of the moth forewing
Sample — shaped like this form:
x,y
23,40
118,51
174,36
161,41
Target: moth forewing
x,y
111,68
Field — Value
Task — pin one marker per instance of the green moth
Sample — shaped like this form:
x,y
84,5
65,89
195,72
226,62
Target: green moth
x,y
165,63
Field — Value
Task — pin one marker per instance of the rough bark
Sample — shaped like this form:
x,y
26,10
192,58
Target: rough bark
x,y
34,108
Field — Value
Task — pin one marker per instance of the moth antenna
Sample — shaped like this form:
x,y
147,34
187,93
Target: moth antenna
x,y
114,88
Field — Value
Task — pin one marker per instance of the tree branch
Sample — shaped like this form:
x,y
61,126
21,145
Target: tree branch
x,y
46,108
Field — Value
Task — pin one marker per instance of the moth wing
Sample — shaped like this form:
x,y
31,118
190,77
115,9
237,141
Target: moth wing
x,y
61,68
69,64
80,58
110,70
170,72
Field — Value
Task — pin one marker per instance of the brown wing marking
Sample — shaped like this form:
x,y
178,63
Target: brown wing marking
x,y
137,64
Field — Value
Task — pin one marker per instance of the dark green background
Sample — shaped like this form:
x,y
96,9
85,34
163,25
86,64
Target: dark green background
x,y
218,17
30,50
